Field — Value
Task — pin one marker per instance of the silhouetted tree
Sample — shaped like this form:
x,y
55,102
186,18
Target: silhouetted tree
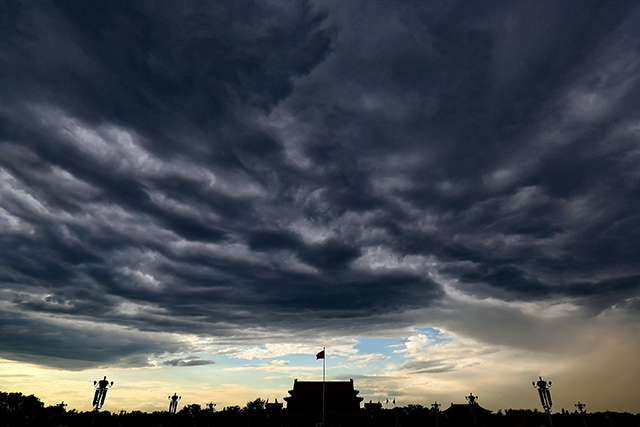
x,y
192,410
16,407
255,404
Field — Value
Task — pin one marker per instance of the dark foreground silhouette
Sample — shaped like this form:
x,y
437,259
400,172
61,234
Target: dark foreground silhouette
x,y
17,409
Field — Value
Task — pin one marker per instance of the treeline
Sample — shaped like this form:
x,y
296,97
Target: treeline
x,y
419,416
17,409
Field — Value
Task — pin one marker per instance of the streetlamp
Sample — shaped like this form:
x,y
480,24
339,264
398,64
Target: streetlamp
x,y
472,406
471,399
435,410
545,395
173,403
102,387
59,412
210,410
581,407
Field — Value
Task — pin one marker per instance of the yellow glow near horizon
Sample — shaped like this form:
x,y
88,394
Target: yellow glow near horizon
x,y
501,376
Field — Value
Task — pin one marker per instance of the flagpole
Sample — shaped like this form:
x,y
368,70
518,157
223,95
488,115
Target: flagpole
x,y
323,380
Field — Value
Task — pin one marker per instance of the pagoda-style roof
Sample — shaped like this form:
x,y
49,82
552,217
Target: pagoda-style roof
x,y
273,406
339,396
465,409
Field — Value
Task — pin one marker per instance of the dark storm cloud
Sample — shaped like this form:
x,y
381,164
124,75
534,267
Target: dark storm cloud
x,y
76,345
208,167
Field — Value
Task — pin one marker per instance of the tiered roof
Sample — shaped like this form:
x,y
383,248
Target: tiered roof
x,y
339,396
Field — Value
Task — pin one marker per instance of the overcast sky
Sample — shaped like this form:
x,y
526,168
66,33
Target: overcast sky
x,y
196,196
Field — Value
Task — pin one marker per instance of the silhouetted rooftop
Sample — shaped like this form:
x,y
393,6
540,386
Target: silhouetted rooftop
x,y
339,396
464,409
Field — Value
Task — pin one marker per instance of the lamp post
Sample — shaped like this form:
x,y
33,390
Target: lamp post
x,y
581,407
473,404
435,411
210,410
173,403
545,395
61,410
173,406
101,387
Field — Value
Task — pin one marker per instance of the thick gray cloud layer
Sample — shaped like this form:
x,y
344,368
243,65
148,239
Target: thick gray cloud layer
x,y
209,168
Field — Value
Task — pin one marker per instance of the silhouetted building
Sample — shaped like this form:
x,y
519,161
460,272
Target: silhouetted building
x,y
304,406
460,414
373,406
339,396
273,406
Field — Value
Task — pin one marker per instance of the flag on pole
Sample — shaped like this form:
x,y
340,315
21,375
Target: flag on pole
x,y
321,356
